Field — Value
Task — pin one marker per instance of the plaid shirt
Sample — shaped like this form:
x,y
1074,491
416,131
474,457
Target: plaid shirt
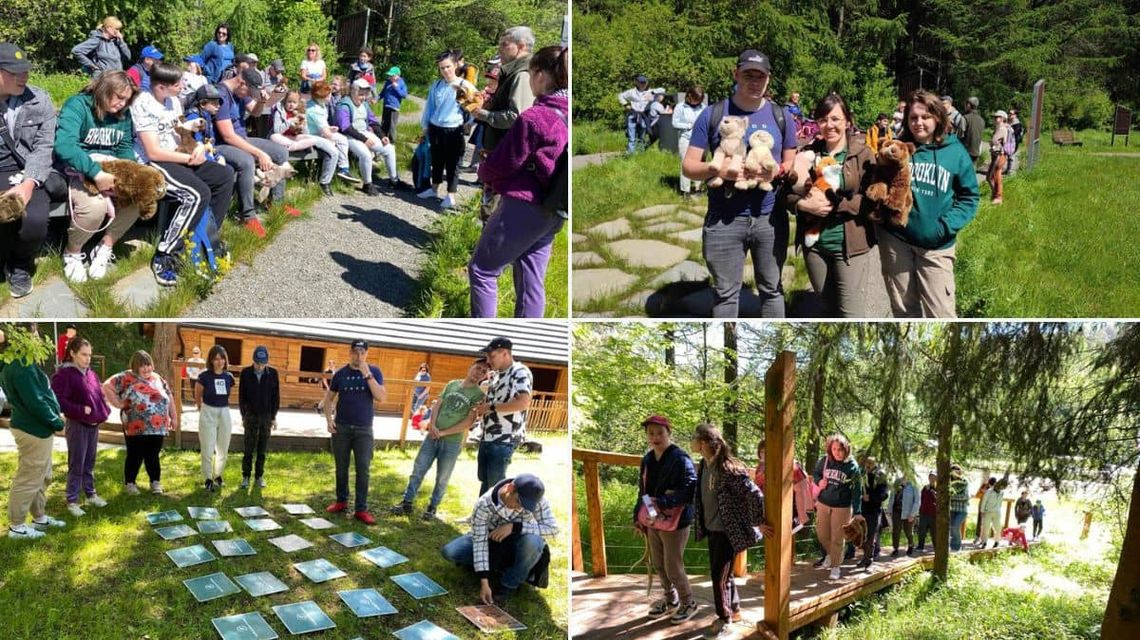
x,y
490,514
509,428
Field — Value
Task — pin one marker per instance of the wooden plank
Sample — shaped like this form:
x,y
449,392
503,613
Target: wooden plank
x,y
779,409
594,513
406,416
606,457
576,563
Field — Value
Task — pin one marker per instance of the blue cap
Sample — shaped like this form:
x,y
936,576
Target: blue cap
x,y
151,51
261,355
529,490
640,79
196,59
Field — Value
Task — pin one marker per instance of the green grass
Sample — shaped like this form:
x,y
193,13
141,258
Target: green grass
x,y
106,576
595,137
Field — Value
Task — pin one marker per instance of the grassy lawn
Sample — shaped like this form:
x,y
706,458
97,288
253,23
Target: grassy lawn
x,y
106,576
596,137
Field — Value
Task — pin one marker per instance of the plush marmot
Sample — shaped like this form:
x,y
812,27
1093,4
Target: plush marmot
x,y
759,157
134,184
11,208
890,190
855,531
266,180
731,148
186,131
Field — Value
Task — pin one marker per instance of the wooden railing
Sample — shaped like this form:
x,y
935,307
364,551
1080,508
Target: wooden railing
x,y
590,460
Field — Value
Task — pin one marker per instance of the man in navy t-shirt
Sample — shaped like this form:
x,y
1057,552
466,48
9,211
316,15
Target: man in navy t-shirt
x,y
353,390
741,221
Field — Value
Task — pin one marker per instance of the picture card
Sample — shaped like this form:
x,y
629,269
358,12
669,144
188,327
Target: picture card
x,y
234,547
190,556
490,618
262,524
204,513
317,523
351,539
175,532
366,603
418,585
303,617
210,587
163,517
244,626
297,509
290,543
424,630
251,512
214,526
319,570
261,583
383,557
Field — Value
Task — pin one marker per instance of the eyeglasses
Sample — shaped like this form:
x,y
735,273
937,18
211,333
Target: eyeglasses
x,y
312,49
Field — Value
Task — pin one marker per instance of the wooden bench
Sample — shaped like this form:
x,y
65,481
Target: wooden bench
x,y
1065,137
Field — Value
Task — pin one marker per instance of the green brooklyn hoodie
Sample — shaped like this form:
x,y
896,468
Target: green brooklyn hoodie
x,y
79,134
35,409
945,190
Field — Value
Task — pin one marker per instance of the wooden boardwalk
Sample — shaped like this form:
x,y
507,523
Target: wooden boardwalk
x,y
615,606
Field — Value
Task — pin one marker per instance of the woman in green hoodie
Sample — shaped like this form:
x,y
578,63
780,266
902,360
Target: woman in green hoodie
x,y
918,260
840,487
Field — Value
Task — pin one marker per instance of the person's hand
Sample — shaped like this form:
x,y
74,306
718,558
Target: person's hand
x,y
198,156
331,427
481,409
264,161
24,190
485,592
816,203
822,484
500,533
105,182
481,114
385,141
433,432
767,529
86,411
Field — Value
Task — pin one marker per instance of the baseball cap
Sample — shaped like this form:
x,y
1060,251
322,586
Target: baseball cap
x,y
658,420
1001,113
972,101
207,92
196,59
278,65
151,51
658,91
753,59
640,79
530,490
246,57
252,77
947,99
261,355
393,71
359,344
13,59
498,343
361,83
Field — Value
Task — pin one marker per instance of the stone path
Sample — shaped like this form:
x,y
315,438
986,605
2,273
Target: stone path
x,y
594,158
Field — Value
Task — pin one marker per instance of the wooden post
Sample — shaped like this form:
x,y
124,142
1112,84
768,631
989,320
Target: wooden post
x,y
1087,525
575,535
594,513
1008,506
406,417
740,564
779,409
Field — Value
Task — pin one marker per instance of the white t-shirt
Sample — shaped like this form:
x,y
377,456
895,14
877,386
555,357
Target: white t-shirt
x,y
149,115
310,68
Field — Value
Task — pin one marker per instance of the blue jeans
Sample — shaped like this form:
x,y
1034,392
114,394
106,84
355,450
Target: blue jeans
x,y
956,520
443,453
726,240
633,131
353,441
493,460
512,559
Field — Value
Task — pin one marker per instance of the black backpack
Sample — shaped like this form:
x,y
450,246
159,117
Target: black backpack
x,y
557,196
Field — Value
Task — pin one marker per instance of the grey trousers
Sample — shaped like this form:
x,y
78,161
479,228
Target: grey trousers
x,y
353,442
667,552
840,282
920,282
726,241
243,163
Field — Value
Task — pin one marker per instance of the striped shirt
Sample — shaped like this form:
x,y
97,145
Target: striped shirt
x,y
490,514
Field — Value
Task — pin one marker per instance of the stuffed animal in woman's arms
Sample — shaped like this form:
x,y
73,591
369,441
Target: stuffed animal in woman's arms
x,y
759,158
730,152
134,184
890,190
826,176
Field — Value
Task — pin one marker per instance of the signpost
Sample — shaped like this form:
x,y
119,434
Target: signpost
x,y
1034,136
1121,124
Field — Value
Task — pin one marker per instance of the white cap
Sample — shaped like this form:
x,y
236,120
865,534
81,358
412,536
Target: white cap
x,y
361,83
1003,114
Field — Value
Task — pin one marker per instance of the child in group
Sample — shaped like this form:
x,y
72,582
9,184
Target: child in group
x,y
204,105
1038,514
80,395
802,499
317,123
363,69
1023,509
291,131
880,133
212,397
362,128
193,78
492,76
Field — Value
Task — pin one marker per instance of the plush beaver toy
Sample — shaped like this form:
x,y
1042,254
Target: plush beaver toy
x,y
855,531
134,184
891,189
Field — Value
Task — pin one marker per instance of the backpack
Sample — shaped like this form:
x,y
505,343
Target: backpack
x,y
961,127
421,166
1009,147
717,114
556,200
202,251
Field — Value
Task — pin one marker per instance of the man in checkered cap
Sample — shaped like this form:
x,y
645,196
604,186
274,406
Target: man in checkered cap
x,y
506,544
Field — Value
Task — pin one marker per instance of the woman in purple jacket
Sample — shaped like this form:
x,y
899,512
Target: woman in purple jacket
x,y
80,396
521,231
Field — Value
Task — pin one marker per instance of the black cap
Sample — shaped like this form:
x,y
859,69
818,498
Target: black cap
x,y
13,59
753,59
359,344
498,343
252,77
207,92
529,490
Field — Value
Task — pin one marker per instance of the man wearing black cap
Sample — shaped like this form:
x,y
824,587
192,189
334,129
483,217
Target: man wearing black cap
x,y
259,398
242,151
635,101
506,541
741,222
504,412
353,390
27,131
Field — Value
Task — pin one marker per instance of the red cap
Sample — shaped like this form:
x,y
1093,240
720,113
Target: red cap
x,y
658,420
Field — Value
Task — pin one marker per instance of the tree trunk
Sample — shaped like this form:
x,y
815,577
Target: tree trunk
x,y
1122,616
670,347
732,395
165,350
944,417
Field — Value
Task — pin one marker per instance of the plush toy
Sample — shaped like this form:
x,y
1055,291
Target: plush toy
x,y
1016,537
134,184
801,169
759,158
186,132
266,180
468,96
890,190
825,175
855,531
11,208
731,148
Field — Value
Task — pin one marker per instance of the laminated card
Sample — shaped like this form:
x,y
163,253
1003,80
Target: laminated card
x,y
244,626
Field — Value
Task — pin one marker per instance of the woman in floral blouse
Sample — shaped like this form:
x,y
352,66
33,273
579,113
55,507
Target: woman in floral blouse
x,y
147,415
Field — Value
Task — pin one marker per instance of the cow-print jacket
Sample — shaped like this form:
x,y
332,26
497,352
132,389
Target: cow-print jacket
x,y
740,505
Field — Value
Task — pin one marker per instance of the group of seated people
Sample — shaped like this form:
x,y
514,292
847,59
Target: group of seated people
x,y
149,115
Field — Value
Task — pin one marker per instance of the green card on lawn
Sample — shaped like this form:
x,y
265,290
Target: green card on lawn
x,y
418,585
190,556
235,547
251,512
424,630
290,543
262,524
244,626
383,557
214,526
303,617
175,532
319,570
366,603
204,513
163,517
262,583
215,585
351,539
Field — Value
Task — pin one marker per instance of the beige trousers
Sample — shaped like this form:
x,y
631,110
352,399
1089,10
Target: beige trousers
x,y
33,475
214,431
667,550
90,212
829,523
920,282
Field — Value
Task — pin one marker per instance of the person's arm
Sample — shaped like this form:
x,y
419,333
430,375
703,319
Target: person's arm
x,y
37,165
401,88
111,391
124,51
244,401
375,379
198,388
58,386
24,386
625,97
429,107
544,523
67,137
274,395
324,74
458,427
521,99
156,153
966,196
82,53
857,493
509,157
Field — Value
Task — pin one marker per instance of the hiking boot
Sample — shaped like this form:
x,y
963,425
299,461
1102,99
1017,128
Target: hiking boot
x,y
47,523
19,281
96,501
895,553
364,517
909,551
244,482
24,532
218,482
343,174
254,226
865,563
684,613
165,270
261,482
397,184
73,267
326,190
664,606
336,507
402,509
101,258
429,516
74,509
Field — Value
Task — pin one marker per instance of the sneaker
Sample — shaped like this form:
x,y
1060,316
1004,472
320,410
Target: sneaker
x,y
796,526
719,629
343,174
261,482
292,211
209,484
835,573
74,509
47,523
218,482
364,517
254,226
429,516
995,201
19,281
427,193
909,551
336,507
402,509
397,184
895,553
101,258
865,563
684,613
448,202
132,489
326,190
96,501
165,270
73,267
820,563
24,532
244,482
663,606
156,488
369,189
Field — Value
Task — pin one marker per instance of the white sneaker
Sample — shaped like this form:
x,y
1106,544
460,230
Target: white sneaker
x,y
448,202
156,488
96,501
101,258
835,573
74,509
25,532
427,193
74,268
47,523
132,489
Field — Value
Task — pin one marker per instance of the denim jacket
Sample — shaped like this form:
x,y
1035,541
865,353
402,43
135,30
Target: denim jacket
x,y
34,133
